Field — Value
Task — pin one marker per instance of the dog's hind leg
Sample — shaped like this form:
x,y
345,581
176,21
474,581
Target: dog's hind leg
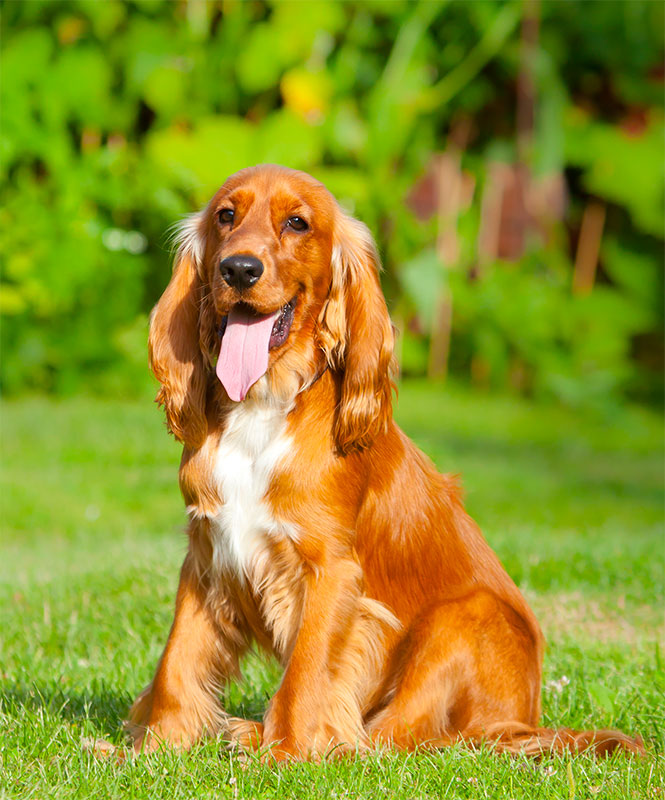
x,y
465,666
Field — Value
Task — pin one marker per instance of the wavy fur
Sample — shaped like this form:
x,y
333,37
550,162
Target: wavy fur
x,y
317,530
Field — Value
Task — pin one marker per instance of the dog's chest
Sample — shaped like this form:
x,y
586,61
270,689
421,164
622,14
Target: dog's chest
x,y
253,445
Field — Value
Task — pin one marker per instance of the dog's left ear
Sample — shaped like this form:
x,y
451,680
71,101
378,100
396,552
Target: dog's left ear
x,y
357,336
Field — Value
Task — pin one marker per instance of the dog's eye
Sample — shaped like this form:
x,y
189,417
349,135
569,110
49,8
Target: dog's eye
x,y
297,223
226,215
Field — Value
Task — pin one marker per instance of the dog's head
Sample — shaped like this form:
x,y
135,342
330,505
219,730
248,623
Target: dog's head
x,y
273,279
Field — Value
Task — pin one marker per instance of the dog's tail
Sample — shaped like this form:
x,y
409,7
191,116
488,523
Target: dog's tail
x,y
516,737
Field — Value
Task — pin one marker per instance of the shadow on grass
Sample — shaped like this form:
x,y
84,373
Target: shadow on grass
x,y
105,709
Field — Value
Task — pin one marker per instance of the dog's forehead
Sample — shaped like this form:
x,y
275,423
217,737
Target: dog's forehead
x,y
277,186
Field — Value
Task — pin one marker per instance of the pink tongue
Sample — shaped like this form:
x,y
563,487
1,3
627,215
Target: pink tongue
x,y
243,356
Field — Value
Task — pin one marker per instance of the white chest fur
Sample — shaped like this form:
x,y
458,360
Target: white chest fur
x,y
253,444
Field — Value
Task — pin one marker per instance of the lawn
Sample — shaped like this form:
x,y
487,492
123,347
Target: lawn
x,y
92,541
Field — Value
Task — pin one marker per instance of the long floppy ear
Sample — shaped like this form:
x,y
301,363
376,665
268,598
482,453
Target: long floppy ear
x,y
357,337
179,338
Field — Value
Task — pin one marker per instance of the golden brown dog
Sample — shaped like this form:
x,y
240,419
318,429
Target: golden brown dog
x,y
316,528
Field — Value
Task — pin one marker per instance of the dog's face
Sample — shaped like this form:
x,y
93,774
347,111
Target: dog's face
x,y
268,263
269,241
273,279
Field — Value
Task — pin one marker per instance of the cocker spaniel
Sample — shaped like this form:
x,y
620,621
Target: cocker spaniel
x,y
317,529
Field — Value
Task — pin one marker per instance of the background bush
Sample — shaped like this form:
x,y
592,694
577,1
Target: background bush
x,y
119,117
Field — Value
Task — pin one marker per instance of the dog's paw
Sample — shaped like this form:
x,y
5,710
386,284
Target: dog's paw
x,y
102,749
244,734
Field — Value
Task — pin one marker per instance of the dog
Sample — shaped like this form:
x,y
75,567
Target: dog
x,y
317,530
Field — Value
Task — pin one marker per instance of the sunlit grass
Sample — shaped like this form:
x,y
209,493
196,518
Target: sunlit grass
x,y
92,541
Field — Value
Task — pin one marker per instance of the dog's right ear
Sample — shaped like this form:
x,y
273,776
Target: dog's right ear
x,y
177,327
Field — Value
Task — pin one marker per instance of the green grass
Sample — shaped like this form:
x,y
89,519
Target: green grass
x,y
92,540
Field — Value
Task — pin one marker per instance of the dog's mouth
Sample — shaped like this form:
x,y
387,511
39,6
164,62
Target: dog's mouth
x,y
282,325
247,337
280,329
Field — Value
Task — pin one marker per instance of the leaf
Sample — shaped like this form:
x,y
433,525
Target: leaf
x,y
306,93
626,169
259,64
633,271
82,79
602,697
299,27
284,138
202,158
423,277
348,185
11,300
165,90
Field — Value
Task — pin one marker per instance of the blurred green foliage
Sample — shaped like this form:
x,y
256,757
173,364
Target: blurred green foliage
x,y
119,117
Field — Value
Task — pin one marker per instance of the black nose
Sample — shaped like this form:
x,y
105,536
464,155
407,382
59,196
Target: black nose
x,y
241,271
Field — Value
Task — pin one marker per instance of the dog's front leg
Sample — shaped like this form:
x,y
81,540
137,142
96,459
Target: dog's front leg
x,y
202,652
296,718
